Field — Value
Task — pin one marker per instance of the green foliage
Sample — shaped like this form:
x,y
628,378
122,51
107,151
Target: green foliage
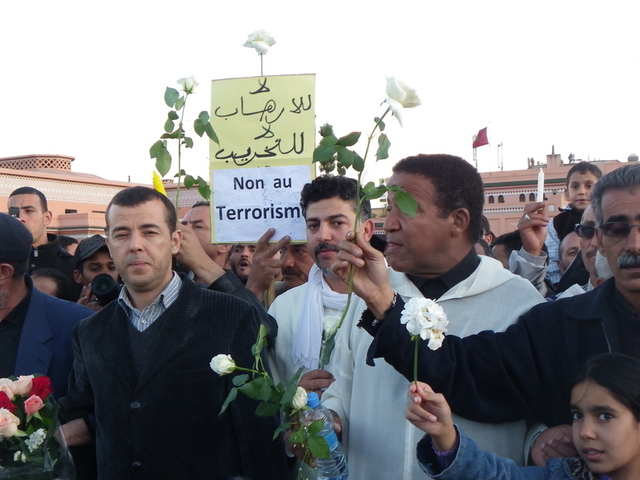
x,y
176,100
405,201
383,147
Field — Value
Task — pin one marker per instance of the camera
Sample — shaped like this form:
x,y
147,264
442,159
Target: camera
x,y
14,212
105,288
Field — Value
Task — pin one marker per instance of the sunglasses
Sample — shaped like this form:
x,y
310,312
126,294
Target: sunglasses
x,y
585,231
617,229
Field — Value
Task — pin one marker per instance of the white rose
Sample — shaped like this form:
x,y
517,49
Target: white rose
x,y
22,386
299,399
261,40
425,318
6,386
330,324
400,96
188,84
8,423
222,364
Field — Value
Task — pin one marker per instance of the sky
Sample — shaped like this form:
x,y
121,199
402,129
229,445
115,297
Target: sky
x,y
87,79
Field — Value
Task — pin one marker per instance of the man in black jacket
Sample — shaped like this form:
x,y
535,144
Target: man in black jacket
x,y
142,364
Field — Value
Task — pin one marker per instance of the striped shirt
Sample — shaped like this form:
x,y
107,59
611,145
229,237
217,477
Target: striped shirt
x,y
141,320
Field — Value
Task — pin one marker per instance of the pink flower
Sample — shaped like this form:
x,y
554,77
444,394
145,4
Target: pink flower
x,y
6,386
8,423
33,404
22,386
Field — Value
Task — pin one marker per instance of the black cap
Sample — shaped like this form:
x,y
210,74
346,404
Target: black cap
x,y
15,240
87,247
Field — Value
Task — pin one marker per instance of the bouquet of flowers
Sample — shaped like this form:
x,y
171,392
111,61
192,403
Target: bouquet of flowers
x,y
29,448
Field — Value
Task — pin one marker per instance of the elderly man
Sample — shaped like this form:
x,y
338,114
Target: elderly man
x,y
526,372
431,255
154,344
35,328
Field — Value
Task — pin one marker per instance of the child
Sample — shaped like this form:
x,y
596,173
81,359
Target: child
x,y
580,180
605,406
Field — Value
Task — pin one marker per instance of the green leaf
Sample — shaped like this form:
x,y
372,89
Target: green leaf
x,y
173,115
349,140
315,427
326,149
188,142
406,203
189,181
208,128
318,446
282,428
258,389
267,409
345,157
169,126
180,103
171,96
383,147
380,123
157,149
261,341
203,188
175,134
180,173
230,398
198,126
240,379
358,162
371,191
163,163
299,436
204,117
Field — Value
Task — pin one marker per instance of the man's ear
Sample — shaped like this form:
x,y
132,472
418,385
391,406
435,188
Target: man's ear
x,y
77,276
366,229
224,248
566,195
48,216
6,272
460,220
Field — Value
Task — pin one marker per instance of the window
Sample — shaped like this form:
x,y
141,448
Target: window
x,y
491,199
500,199
70,210
522,197
532,197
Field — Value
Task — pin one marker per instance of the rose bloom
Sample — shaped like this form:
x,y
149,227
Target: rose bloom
x,y
41,386
222,364
330,324
33,404
188,84
8,423
22,386
299,399
261,40
6,403
400,96
6,386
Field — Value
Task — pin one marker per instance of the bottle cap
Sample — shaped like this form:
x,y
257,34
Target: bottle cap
x,y
313,400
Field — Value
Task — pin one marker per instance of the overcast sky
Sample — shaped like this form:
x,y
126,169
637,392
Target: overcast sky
x,y
87,79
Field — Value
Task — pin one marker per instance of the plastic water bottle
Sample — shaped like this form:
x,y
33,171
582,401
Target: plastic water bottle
x,y
335,467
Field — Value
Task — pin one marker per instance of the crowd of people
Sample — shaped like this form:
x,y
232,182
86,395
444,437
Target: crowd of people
x,y
539,363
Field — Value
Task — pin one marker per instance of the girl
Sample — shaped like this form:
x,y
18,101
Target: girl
x,y
605,406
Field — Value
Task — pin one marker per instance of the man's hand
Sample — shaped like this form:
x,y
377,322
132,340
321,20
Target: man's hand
x,y
554,442
316,381
300,451
193,256
75,433
533,227
88,300
264,266
370,279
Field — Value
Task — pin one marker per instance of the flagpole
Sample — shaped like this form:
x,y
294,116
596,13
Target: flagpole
x,y
475,159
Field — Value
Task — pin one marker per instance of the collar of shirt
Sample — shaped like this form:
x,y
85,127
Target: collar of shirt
x,y
434,288
141,320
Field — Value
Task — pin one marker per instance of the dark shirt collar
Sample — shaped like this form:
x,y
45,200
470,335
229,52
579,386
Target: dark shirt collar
x,y
435,287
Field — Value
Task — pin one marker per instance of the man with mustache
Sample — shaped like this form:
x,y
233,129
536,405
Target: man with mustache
x,y
526,371
329,207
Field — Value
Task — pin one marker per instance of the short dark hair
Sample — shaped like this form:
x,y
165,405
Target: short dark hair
x,y
330,186
31,191
63,283
618,373
65,240
511,241
584,168
486,227
134,196
20,269
202,203
623,178
485,247
456,182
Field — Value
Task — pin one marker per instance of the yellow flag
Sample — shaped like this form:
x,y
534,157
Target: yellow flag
x,y
157,184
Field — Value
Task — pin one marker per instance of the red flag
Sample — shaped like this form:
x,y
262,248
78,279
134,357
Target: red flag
x,y
481,138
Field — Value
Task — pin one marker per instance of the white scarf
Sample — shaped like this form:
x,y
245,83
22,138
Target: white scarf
x,y
305,351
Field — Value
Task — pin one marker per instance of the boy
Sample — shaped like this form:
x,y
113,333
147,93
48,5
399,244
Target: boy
x,y
91,259
580,180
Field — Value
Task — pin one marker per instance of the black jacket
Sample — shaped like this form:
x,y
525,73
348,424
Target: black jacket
x,y
524,372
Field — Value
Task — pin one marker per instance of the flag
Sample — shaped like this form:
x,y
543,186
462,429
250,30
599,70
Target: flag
x,y
481,138
157,183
